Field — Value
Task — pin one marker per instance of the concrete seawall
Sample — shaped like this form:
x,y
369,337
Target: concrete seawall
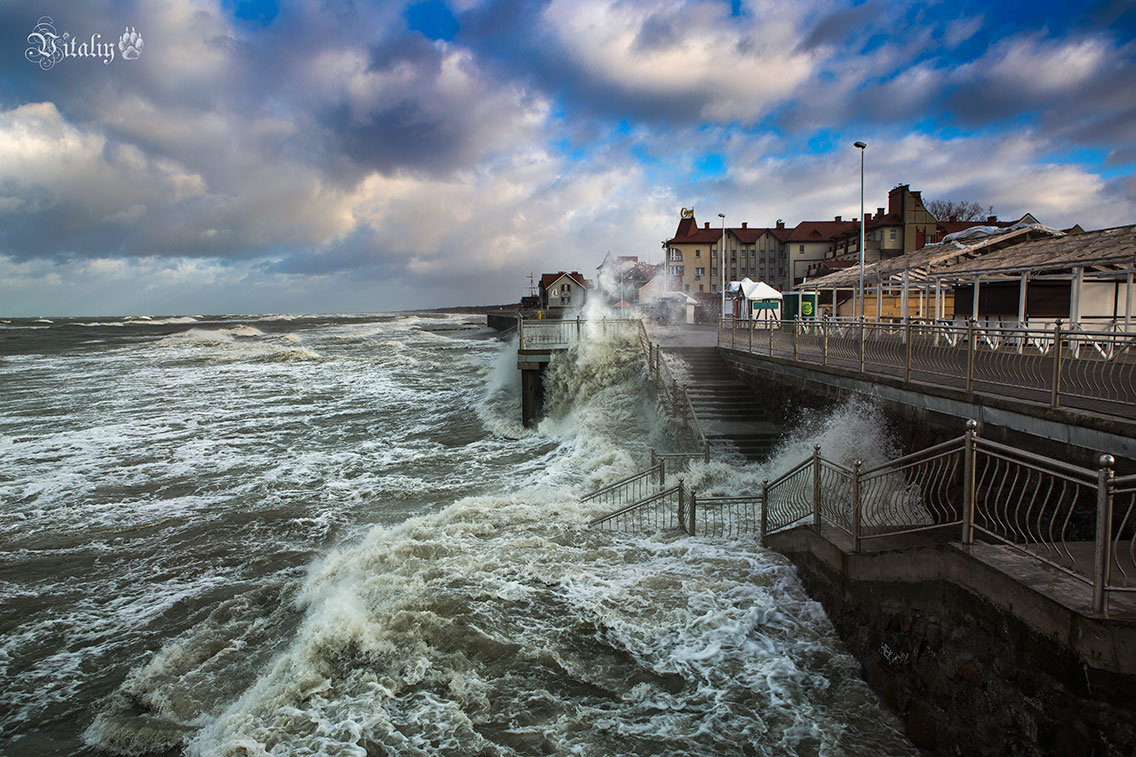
x,y
975,661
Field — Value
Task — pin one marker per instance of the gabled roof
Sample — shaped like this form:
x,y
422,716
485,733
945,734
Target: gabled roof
x,y
549,279
689,233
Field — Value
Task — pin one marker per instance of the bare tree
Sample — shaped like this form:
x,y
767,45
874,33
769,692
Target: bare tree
x,y
962,210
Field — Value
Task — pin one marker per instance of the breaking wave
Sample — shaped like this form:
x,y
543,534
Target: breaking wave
x,y
498,624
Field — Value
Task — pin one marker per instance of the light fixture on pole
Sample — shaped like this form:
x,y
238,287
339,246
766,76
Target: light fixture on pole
x,y
722,265
860,292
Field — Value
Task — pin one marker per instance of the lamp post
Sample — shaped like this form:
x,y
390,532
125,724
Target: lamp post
x,y
722,266
860,296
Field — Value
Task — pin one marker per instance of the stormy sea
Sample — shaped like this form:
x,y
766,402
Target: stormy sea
x,y
331,535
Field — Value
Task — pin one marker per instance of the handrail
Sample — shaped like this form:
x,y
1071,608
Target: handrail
x,y
914,456
1086,476
678,490
666,380
654,470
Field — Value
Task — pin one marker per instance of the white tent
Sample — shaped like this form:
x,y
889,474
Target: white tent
x,y
760,301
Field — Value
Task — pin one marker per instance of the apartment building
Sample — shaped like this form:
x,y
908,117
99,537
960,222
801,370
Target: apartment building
x,y
693,256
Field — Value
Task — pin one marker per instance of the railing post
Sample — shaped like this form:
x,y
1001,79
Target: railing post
x,y
653,461
685,406
795,325
674,398
907,355
861,344
856,505
1103,545
970,349
693,511
662,473
968,472
520,331
764,509
771,340
706,452
733,332
751,335
681,506
816,487
578,328
824,328
1055,393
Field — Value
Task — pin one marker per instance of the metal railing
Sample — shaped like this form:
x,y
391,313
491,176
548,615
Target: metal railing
x,y
675,397
660,511
631,489
1055,365
723,516
1076,520
545,334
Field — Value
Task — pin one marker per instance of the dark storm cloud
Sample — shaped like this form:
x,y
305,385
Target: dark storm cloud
x,y
843,24
363,252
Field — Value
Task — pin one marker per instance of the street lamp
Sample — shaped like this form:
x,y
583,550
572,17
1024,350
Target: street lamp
x,y
862,146
722,265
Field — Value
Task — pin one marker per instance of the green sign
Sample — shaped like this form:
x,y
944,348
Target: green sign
x,y
764,305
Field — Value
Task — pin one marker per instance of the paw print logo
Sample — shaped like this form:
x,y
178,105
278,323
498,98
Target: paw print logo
x,y
130,44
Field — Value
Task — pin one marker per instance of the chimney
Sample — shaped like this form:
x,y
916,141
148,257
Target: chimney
x,y
745,224
838,219
780,224
879,211
707,225
991,219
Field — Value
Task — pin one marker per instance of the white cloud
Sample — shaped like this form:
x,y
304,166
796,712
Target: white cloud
x,y
736,69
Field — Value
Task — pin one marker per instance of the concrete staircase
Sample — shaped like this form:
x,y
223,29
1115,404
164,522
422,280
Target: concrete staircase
x,y
727,408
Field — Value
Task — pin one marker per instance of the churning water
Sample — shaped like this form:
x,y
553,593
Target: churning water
x,y
330,535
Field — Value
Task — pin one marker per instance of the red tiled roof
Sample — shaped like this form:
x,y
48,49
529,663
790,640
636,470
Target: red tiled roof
x,y
688,233
548,279
820,231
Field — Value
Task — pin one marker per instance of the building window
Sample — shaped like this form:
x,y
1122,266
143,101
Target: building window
x,y
676,255
802,248
699,272
699,287
698,253
892,235
688,287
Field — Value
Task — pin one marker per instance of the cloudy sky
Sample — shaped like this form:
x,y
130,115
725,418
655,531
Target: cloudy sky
x,y
318,156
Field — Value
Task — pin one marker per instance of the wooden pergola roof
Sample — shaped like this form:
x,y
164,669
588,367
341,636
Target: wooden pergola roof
x,y
1033,250
930,262
1107,253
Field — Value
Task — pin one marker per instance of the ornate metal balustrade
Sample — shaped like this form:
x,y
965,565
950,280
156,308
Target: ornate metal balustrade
x,y
1078,521
1056,365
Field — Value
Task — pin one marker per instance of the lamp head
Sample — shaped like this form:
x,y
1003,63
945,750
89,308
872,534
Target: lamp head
x,y
861,145
721,215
